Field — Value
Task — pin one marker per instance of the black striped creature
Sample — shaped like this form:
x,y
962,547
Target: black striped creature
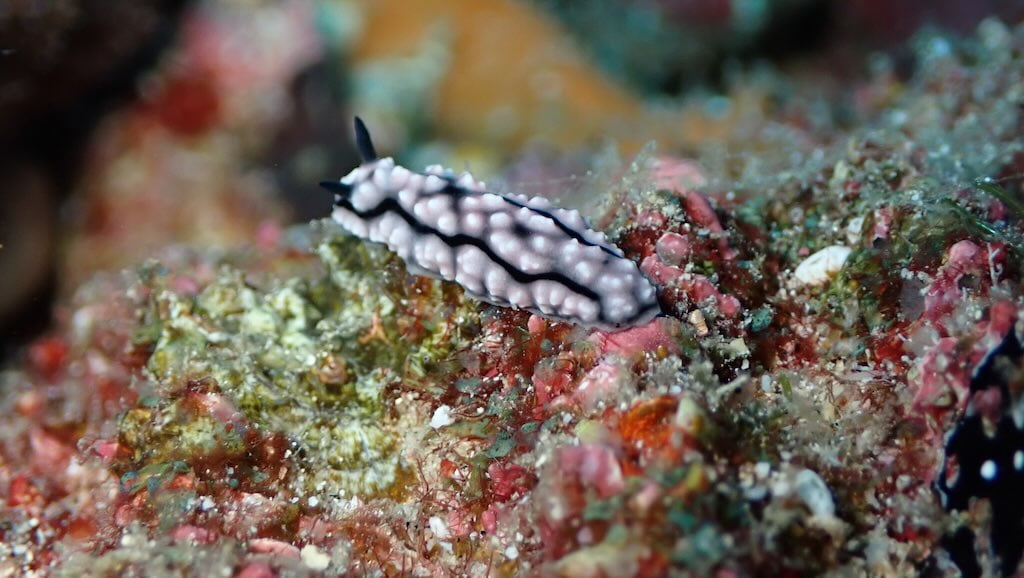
x,y
507,250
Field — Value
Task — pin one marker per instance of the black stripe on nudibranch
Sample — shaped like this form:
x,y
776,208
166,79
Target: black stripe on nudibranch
x,y
455,191
501,249
461,239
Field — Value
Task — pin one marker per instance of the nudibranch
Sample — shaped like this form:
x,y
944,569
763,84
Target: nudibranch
x,y
507,250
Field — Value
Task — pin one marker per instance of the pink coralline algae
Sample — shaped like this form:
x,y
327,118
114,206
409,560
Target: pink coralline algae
x,y
703,215
947,366
508,481
696,287
985,264
594,467
658,336
673,249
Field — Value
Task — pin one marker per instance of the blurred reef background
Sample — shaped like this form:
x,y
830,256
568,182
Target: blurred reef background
x,y
201,376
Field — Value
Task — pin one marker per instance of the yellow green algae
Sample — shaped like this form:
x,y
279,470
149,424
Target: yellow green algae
x,y
310,357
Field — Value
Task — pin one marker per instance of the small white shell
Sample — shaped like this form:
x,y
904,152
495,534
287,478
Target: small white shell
x,y
821,266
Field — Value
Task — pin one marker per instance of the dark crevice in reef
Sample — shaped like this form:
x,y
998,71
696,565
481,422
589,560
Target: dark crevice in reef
x,y
63,65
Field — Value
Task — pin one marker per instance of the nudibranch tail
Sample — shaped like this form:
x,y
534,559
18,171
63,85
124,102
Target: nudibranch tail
x,y
504,249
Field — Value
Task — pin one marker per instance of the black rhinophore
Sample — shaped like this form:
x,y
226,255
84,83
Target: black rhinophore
x,y
363,142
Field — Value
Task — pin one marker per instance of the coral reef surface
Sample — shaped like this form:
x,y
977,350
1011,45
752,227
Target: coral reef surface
x,y
835,389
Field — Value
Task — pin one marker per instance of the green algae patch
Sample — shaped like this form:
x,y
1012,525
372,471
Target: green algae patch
x,y
312,357
172,433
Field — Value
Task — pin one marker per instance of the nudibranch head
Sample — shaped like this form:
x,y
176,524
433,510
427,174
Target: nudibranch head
x,y
506,250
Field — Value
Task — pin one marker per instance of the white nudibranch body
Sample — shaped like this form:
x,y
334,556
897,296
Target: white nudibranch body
x,y
507,250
